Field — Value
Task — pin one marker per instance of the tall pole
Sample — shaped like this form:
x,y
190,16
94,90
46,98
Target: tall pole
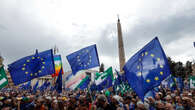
x,y
120,47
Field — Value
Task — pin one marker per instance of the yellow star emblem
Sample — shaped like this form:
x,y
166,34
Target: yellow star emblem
x,y
161,66
147,80
139,74
43,62
161,73
156,78
42,67
26,72
24,64
33,57
39,71
146,53
23,68
27,60
31,74
138,67
158,59
152,55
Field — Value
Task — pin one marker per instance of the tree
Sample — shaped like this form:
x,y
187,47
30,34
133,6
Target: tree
x,y
188,68
172,65
179,70
101,69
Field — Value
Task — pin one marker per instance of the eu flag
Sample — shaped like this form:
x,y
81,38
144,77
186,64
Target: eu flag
x,y
194,44
83,59
44,86
179,83
171,83
35,86
26,86
147,68
30,67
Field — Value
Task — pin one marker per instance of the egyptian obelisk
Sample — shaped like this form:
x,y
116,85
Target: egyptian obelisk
x,y
120,47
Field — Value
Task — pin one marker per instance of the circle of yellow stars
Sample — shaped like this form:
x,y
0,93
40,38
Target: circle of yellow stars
x,y
139,67
28,61
89,60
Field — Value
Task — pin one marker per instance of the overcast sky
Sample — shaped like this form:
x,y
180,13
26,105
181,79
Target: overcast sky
x,y
26,25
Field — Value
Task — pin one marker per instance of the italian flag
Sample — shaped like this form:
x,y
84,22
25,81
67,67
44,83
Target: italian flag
x,y
3,78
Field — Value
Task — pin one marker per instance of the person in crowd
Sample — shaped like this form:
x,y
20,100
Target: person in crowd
x,y
164,99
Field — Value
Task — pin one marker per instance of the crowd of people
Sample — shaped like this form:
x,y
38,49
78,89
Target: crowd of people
x,y
164,99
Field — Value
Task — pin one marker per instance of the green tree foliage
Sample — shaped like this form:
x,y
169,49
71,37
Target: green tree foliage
x,y
188,68
178,69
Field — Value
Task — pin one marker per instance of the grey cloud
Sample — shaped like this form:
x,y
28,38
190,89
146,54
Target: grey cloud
x,y
21,34
168,29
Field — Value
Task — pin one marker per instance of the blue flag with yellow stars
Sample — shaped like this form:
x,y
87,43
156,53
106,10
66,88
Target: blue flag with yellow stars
x,y
30,67
147,68
35,86
83,59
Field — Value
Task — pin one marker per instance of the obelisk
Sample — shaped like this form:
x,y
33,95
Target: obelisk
x,y
120,47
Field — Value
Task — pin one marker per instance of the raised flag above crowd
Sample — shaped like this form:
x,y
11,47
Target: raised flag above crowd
x,y
25,86
192,82
3,78
84,83
83,59
35,86
58,65
59,82
73,81
104,80
30,67
147,68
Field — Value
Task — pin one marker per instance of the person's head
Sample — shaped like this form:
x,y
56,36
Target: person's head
x,y
140,106
168,106
185,94
178,99
55,104
159,105
128,99
38,102
101,100
176,92
168,99
157,96
82,100
73,99
168,92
